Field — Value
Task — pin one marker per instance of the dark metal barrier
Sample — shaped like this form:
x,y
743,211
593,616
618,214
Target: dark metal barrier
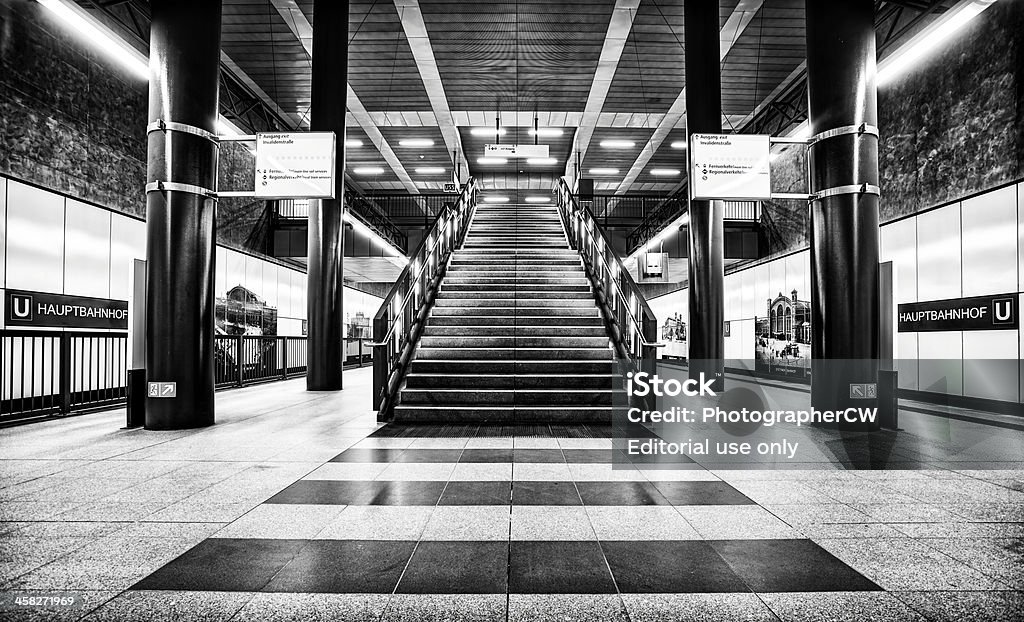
x,y
48,372
248,359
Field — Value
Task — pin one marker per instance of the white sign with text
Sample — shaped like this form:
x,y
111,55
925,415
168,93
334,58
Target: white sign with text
x,y
730,167
295,165
515,151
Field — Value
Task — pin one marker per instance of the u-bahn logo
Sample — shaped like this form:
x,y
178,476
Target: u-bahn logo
x,y
21,308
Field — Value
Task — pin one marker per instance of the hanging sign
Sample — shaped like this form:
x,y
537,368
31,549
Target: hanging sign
x,y
997,312
730,167
515,151
450,188
295,165
38,309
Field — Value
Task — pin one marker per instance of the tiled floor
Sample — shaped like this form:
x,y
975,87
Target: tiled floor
x,y
289,510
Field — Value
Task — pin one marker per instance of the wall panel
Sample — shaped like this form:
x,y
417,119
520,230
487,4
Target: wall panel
x,y
938,254
87,250
35,239
990,243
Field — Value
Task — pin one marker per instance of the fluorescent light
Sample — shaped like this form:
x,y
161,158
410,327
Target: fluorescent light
x,y
542,161
664,172
538,199
79,20
353,142
368,170
618,144
495,199
486,160
358,226
430,170
487,131
604,171
416,142
929,38
547,131
679,144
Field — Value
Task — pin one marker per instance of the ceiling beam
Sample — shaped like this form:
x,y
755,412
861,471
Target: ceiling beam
x,y
619,27
738,21
303,31
423,53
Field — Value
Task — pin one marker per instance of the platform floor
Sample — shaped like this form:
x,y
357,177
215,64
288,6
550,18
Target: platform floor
x,y
286,510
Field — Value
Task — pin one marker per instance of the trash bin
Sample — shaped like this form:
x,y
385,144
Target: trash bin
x,y
888,399
136,398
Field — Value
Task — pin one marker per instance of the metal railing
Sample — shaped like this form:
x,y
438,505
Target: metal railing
x,y
673,208
399,321
623,210
633,326
366,210
48,372
248,359
411,207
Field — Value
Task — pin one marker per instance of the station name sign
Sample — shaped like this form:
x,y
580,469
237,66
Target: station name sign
x,y
730,167
997,312
38,309
515,151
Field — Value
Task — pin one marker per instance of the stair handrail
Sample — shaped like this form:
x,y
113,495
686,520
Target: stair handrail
x,y
399,321
632,324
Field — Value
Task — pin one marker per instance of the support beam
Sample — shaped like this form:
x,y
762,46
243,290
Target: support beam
x,y
180,211
738,21
841,92
614,42
325,269
423,54
706,267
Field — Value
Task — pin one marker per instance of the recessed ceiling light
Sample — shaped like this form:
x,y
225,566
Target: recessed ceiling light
x,y
679,144
547,131
604,171
664,172
542,161
486,160
495,199
538,199
416,142
353,142
368,170
487,131
430,170
618,144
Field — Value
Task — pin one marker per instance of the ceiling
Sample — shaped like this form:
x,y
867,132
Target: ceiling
x,y
598,70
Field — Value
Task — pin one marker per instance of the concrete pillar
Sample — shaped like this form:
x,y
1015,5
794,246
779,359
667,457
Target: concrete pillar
x,y
841,93
180,225
326,319
706,269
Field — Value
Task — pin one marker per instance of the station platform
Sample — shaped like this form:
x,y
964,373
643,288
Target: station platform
x,y
298,505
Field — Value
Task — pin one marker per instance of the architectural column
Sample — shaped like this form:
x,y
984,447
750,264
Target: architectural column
x,y
842,97
180,211
706,269
325,317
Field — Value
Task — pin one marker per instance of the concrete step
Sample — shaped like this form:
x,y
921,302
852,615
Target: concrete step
x,y
509,381
515,287
534,367
560,294
513,331
590,311
508,397
507,415
503,354
516,320
466,303
520,281
477,341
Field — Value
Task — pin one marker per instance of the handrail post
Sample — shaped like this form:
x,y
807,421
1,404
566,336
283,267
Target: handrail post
x,y
65,373
283,344
239,346
380,363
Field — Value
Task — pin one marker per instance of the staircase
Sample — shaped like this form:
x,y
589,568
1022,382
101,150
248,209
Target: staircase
x,y
515,334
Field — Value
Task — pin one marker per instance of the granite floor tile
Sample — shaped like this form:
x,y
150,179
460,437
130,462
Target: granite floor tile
x,y
669,567
723,607
344,567
839,607
457,568
447,608
282,607
550,522
566,608
546,567
455,522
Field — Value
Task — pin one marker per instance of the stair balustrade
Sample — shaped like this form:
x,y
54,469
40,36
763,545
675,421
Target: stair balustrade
x,y
400,319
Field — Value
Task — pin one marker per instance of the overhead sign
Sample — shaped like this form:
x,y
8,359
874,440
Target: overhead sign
x,y
997,312
38,309
450,188
295,165
730,167
516,151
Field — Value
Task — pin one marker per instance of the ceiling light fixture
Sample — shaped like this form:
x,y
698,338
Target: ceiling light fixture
x,y
679,144
546,131
430,170
604,171
368,170
353,142
486,160
538,199
487,131
618,144
128,56
542,161
416,142
664,172
495,199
